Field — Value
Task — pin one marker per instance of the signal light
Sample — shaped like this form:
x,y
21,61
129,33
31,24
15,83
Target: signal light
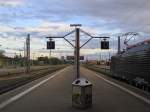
x,y
104,44
51,45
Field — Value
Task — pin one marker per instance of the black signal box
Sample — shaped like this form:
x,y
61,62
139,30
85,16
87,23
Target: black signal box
x,y
51,45
104,44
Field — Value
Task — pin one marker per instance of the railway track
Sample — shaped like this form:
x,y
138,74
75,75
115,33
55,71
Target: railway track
x,y
14,72
8,82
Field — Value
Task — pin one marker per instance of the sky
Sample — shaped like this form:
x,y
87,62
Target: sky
x,y
42,18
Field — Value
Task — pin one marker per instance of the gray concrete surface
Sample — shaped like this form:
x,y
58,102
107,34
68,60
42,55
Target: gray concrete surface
x,y
55,96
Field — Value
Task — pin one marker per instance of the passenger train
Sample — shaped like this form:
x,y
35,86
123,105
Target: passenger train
x,y
133,64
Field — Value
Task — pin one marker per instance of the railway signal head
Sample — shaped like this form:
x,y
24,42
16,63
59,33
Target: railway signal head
x,y
51,45
104,44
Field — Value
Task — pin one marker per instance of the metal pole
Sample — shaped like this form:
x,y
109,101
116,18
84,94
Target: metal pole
x,y
24,59
109,56
50,53
100,54
77,53
28,53
50,49
119,45
99,58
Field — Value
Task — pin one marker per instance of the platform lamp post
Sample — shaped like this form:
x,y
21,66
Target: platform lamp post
x,y
74,52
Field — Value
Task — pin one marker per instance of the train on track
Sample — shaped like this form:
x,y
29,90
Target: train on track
x,y
133,65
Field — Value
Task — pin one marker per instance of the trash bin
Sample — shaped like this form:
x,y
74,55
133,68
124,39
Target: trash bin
x,y
81,93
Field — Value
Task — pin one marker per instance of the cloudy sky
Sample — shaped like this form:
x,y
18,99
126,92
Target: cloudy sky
x,y
42,18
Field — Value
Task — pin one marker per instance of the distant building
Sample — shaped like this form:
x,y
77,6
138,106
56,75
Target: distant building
x,y
1,61
72,58
92,62
96,62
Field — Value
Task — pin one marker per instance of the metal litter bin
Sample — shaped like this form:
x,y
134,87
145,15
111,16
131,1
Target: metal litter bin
x,y
81,93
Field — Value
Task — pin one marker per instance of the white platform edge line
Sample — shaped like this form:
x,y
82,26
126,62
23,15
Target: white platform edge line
x,y
16,97
126,90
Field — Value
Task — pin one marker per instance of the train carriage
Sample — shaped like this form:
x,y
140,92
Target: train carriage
x,y
133,64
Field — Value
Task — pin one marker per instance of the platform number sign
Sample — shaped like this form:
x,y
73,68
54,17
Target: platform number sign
x,y
51,45
104,44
